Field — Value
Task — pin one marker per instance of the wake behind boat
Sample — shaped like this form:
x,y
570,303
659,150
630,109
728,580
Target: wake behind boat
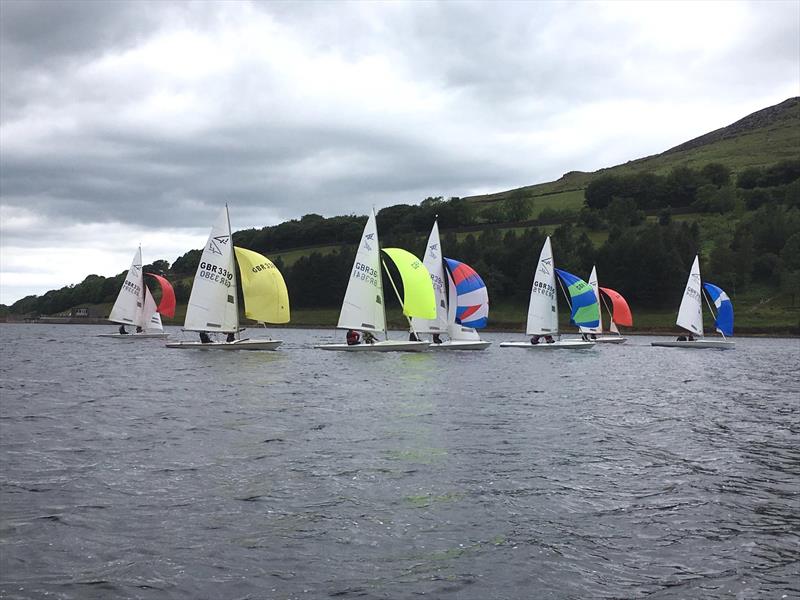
x,y
690,315
363,306
543,307
213,306
136,307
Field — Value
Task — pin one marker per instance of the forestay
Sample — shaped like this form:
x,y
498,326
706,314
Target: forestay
x,y
724,319
418,297
585,309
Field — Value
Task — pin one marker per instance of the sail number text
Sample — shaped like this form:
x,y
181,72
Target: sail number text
x,y
216,274
262,267
437,282
544,288
131,287
365,273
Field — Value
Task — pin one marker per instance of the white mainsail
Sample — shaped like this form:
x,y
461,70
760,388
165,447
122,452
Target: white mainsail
x,y
127,308
363,301
690,314
543,307
433,262
151,320
593,282
212,303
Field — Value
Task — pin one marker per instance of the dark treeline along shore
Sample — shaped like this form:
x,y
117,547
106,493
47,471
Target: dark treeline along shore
x,y
732,196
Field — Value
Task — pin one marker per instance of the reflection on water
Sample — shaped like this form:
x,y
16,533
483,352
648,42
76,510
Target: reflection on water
x,y
132,470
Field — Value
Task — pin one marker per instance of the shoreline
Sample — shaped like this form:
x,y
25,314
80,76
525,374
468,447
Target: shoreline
x,y
748,332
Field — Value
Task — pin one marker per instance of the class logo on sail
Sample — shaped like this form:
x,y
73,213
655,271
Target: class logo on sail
x,y
212,246
545,265
367,239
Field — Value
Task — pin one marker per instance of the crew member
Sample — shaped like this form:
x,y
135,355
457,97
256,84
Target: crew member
x,y
353,338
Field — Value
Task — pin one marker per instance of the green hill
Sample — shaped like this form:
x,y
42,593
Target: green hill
x,y
762,138
731,195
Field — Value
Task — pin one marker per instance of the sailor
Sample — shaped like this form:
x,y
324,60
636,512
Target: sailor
x,y
681,338
231,337
353,338
204,338
138,329
369,338
585,337
535,340
549,339
122,329
437,339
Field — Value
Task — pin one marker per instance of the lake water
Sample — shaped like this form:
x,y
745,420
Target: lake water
x,y
133,471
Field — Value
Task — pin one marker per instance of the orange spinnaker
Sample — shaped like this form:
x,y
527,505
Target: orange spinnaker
x,y
622,312
167,305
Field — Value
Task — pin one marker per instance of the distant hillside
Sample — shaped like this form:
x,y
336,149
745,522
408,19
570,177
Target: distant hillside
x,y
762,138
732,196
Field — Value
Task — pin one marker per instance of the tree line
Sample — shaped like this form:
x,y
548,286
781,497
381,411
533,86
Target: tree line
x,y
645,259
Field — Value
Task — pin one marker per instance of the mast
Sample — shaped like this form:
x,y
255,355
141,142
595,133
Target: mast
x,y
399,299
380,278
233,268
141,295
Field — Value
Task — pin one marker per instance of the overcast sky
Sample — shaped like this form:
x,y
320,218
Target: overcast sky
x,y
133,122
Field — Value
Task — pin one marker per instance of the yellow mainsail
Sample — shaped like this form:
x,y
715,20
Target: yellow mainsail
x,y
266,298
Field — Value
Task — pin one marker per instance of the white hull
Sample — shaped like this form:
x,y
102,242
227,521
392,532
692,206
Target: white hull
x,y
384,346
542,345
461,345
698,344
610,339
134,336
237,345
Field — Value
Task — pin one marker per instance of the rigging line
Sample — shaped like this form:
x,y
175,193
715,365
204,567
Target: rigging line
x,y
610,314
399,299
564,291
704,293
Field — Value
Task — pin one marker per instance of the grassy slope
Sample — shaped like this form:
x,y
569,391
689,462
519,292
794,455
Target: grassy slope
x,y
738,147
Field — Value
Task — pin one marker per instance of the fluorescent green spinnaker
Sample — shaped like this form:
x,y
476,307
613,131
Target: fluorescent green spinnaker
x,y
419,300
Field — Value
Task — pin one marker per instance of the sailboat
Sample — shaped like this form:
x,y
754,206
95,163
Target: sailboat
x,y
468,306
690,314
135,305
213,304
620,314
543,307
363,307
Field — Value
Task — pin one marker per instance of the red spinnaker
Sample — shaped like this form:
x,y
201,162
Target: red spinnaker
x,y
622,312
167,305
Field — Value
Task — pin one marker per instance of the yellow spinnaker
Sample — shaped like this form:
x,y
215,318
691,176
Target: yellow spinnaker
x,y
419,300
266,298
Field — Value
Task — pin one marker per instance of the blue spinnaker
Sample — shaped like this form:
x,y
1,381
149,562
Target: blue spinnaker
x,y
472,309
724,320
585,311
